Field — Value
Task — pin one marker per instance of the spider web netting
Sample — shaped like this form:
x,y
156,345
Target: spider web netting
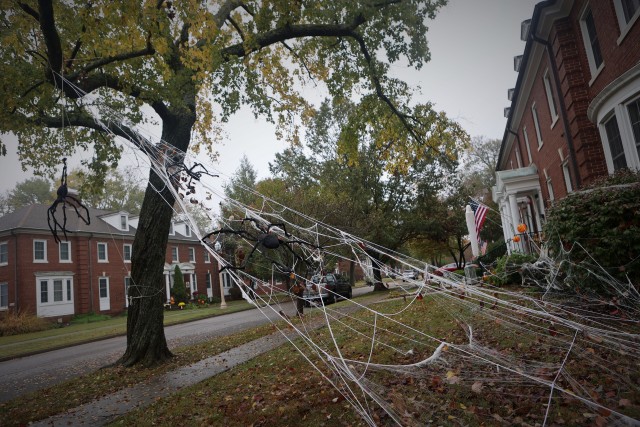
x,y
436,348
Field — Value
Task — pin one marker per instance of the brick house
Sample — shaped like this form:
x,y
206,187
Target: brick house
x,y
575,109
90,272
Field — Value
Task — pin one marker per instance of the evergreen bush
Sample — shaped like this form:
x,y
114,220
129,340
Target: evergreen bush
x,y
179,290
508,270
604,219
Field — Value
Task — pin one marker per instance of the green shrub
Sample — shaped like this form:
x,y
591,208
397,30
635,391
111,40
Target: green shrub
x,y
22,323
508,270
179,290
605,220
494,251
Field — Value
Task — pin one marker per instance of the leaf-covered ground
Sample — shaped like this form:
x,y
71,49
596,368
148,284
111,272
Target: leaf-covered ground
x,y
283,388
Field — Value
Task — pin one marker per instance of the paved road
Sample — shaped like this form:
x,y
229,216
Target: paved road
x,y
23,375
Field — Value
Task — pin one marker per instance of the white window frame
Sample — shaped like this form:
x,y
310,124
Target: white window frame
x,y
126,246
536,124
51,307
5,246
207,257
4,295
62,260
106,252
551,100
106,299
624,25
567,176
187,230
172,230
124,222
552,196
518,157
595,69
621,113
192,254
526,141
175,254
45,258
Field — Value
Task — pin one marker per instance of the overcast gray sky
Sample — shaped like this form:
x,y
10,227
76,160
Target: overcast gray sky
x,y
472,44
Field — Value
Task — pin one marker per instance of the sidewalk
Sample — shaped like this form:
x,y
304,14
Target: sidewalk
x,y
105,410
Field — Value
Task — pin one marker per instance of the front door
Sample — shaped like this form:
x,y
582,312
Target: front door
x,y
103,290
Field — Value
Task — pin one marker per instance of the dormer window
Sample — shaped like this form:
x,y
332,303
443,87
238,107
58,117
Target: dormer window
x,y
172,231
187,230
124,224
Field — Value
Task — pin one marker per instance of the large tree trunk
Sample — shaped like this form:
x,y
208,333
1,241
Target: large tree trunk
x,y
146,342
378,284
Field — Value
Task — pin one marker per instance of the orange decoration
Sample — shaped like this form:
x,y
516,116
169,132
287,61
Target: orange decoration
x,y
516,239
522,228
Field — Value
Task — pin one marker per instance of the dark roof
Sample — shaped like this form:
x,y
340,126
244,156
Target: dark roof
x,y
35,217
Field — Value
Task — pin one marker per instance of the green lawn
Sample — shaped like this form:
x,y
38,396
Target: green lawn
x,y
20,345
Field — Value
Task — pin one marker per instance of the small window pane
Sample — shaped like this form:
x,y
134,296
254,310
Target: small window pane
x,y
593,39
57,290
127,252
615,144
103,288
4,295
38,251
44,291
68,290
4,253
64,251
629,8
102,251
634,117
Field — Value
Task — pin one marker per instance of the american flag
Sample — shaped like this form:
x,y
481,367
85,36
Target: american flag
x,y
479,213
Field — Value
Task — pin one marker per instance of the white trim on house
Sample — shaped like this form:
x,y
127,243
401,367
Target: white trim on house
x,y
54,293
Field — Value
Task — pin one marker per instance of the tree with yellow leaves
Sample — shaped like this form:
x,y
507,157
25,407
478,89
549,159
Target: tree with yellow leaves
x,y
195,63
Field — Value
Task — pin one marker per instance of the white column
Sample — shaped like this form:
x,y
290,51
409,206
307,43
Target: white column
x,y
515,218
168,286
506,227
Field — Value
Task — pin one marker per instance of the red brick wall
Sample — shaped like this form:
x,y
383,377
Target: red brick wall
x,y
574,75
86,269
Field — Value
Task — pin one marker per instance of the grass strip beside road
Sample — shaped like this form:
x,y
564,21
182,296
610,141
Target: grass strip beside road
x,y
37,342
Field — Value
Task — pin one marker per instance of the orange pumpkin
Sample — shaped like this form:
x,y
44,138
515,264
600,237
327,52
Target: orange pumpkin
x,y
516,239
522,228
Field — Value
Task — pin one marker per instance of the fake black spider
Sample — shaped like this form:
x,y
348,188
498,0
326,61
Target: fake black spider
x,y
65,198
195,172
265,238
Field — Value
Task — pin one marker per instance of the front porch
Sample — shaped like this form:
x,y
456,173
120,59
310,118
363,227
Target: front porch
x,y
519,198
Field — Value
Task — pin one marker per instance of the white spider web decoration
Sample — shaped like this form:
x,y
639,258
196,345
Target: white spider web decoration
x,y
559,357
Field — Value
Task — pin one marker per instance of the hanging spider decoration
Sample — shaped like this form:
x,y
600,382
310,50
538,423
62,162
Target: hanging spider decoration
x,y
64,198
178,168
265,238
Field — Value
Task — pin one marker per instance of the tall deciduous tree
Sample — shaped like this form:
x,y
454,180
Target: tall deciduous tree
x,y
359,187
30,191
119,191
194,63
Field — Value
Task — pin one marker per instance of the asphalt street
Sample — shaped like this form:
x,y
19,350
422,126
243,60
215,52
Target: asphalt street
x,y
26,374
